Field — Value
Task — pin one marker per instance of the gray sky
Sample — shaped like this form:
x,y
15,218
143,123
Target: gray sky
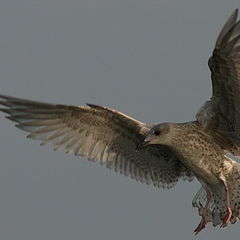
x,y
146,58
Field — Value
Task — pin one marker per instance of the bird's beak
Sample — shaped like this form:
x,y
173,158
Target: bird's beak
x,y
143,144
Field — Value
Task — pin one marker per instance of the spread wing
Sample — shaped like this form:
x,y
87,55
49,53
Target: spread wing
x,y
100,134
221,114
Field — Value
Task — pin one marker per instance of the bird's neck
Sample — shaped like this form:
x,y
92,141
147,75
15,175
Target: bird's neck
x,y
188,140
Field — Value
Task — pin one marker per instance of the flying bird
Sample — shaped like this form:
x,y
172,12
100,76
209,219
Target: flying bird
x,y
161,154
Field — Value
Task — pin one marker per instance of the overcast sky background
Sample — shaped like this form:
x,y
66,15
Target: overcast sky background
x,y
146,58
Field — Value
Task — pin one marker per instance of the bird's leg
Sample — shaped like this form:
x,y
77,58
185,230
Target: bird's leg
x,y
203,221
228,216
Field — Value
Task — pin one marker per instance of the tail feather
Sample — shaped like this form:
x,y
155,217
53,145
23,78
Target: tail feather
x,y
217,207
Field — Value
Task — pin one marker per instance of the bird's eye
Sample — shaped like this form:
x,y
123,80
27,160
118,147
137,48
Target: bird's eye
x,y
157,132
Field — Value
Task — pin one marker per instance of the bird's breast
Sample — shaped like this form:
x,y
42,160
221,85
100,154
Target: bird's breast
x,y
200,154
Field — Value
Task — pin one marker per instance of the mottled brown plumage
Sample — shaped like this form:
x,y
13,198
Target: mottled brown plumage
x,y
218,173
158,154
99,133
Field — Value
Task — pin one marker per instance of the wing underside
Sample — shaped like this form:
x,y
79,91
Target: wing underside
x,y
101,134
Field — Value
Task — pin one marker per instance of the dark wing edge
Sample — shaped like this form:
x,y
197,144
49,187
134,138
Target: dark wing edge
x,y
221,115
100,134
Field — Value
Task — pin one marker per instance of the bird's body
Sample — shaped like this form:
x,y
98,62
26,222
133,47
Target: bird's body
x,y
218,200
197,151
158,154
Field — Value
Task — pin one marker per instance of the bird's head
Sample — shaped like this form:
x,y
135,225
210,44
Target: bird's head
x,y
159,134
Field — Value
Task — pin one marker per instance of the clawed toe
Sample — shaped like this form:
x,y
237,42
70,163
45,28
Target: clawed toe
x,y
227,218
201,226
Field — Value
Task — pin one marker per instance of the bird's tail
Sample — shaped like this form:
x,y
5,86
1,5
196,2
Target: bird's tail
x,y
217,209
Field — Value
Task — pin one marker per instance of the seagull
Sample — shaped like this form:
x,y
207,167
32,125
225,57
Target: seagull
x,y
162,154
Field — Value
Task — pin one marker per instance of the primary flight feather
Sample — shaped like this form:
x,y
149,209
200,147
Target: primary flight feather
x,y
158,154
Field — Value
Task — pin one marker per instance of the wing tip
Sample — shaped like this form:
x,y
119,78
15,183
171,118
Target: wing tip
x,y
7,98
229,24
3,96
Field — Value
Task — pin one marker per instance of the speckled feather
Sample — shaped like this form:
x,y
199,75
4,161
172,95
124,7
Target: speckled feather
x,y
100,134
201,148
220,117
